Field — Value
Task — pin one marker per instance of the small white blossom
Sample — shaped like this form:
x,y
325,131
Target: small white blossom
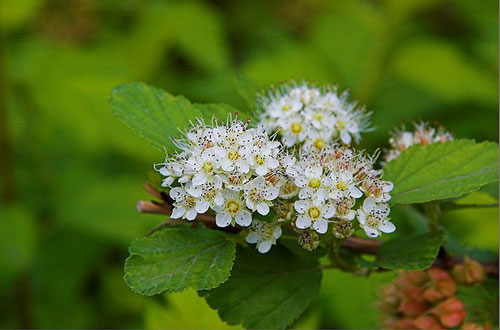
x,y
423,134
184,205
264,234
304,114
258,195
232,211
373,219
313,213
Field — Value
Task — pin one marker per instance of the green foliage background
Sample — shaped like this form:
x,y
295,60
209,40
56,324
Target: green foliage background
x,y
71,173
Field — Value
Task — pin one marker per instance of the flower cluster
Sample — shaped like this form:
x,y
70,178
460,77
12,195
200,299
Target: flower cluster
x,y
331,183
426,300
264,234
304,114
224,167
423,134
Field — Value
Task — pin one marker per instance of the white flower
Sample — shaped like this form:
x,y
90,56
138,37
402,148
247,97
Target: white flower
x,y
204,165
343,184
184,205
424,134
373,219
377,189
313,213
304,114
264,234
208,194
258,195
232,211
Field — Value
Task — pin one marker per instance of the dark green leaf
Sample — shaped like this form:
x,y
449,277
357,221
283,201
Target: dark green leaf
x,y
177,258
481,302
414,252
266,290
442,170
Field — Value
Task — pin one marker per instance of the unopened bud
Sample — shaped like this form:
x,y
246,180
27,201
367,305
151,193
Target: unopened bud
x,y
469,272
342,229
308,239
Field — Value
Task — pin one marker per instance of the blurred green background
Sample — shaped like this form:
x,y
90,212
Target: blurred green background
x,y
70,173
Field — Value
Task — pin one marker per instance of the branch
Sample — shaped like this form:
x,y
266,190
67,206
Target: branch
x,y
353,243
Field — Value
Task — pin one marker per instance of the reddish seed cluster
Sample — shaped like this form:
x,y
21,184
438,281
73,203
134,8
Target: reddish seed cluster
x,y
427,299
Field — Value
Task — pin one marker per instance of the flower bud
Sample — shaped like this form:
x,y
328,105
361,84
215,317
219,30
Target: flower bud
x,y
308,239
469,272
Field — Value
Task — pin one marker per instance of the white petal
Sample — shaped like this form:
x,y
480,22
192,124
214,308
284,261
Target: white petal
x,y
243,218
345,137
387,227
178,212
242,165
361,217
222,219
328,211
252,238
302,222
219,199
350,215
300,206
202,206
191,214
388,186
167,181
272,163
176,193
263,208
335,194
371,232
264,246
250,204
271,193
199,178
369,204
355,192
261,170
321,226
277,232
194,191
164,171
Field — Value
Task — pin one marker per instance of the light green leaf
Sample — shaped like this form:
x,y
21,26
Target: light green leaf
x,y
481,302
177,258
414,252
266,291
247,89
157,115
442,170
151,112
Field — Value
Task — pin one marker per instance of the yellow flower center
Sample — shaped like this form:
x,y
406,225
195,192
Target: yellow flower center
x,y
208,167
319,143
285,108
340,124
341,185
232,206
313,213
259,160
233,155
318,116
296,128
314,183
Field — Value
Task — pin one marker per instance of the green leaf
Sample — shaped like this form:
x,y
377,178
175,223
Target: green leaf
x,y
442,170
157,115
413,252
266,290
177,258
247,88
481,302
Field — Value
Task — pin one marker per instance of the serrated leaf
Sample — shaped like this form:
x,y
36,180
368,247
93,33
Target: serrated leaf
x,y
413,252
266,291
441,170
177,258
157,115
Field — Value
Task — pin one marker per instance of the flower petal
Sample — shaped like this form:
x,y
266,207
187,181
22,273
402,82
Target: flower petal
x,y
387,227
263,208
252,238
321,226
243,218
222,219
300,206
202,206
302,222
264,246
